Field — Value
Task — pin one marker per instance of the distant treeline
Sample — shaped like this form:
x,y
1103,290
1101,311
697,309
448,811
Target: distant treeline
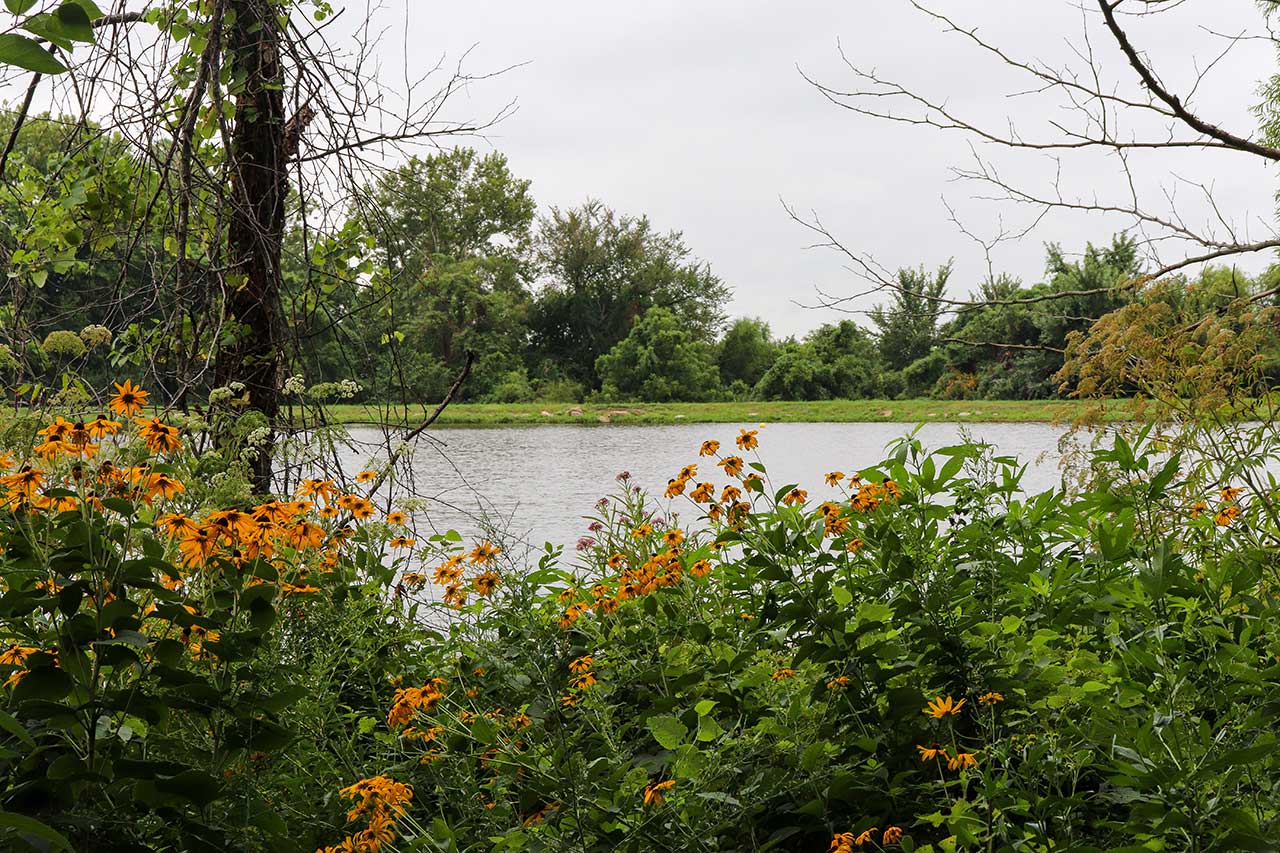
x,y
447,255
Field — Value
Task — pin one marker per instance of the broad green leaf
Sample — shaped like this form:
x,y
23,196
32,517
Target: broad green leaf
x,y
667,730
31,826
23,52
19,7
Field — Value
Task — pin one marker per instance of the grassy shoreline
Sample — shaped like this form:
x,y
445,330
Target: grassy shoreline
x,y
825,411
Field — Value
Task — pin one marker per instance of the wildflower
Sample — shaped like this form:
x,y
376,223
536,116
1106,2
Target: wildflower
x,y
642,531
366,476
700,569
753,481
838,683
584,543
408,701
484,553
1226,515
892,834
732,465
928,753
653,792
834,478
101,426
687,473
397,518
162,485
991,698
939,707
675,487
581,665
703,493
747,440
322,489
709,448
16,655
24,483
160,437
616,561
1230,493
1198,508
129,399
854,545
674,536
796,496
583,681
962,761
841,842
865,836
487,581
402,542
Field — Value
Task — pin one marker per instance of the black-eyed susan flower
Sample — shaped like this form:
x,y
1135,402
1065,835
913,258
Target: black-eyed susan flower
x,y
940,707
654,791
128,400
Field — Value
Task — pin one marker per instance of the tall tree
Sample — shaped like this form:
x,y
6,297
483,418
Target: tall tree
x,y
907,328
601,271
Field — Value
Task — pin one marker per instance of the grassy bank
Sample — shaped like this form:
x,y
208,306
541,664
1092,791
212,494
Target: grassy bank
x,y
842,411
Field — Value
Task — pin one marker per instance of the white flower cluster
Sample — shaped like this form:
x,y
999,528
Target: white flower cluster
x,y
348,388
295,385
254,443
95,335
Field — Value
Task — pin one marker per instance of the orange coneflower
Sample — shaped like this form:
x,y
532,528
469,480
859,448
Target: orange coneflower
x,y
939,707
129,399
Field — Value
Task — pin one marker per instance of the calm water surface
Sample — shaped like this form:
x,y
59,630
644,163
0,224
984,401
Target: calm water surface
x,y
537,483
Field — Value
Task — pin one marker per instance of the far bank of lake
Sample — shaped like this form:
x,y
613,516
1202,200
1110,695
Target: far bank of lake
x,y
820,411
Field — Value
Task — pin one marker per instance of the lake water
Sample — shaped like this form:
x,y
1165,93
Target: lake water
x,y
537,483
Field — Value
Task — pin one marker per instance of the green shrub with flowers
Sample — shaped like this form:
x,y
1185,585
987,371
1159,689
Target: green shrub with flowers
x,y
912,656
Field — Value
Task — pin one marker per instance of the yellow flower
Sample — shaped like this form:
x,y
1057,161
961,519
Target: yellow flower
x,y
783,674
838,683
841,842
487,581
581,665
1226,515
962,761
930,752
484,552
834,478
641,531
366,476
732,465
709,448
397,518
653,792
675,487
991,698
700,569
865,836
703,493
402,542
939,707
747,440
892,834
129,399
796,496
160,437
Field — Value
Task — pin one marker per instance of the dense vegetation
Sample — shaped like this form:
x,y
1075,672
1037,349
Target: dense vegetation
x,y
913,655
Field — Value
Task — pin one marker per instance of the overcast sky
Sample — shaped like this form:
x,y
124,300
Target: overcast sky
x,y
695,114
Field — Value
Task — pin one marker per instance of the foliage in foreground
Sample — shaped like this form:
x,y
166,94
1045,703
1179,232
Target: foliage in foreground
x,y
913,656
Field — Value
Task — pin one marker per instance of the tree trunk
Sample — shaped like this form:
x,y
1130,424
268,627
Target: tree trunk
x,y
255,231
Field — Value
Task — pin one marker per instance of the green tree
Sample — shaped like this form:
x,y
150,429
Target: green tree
x,y
907,328
746,351
836,361
658,361
601,271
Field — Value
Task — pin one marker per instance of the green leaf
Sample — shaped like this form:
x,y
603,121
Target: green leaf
x,y
30,826
10,724
23,52
704,707
19,7
46,683
709,729
75,22
842,596
667,730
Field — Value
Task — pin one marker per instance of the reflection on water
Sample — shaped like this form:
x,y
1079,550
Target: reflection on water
x,y
537,483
